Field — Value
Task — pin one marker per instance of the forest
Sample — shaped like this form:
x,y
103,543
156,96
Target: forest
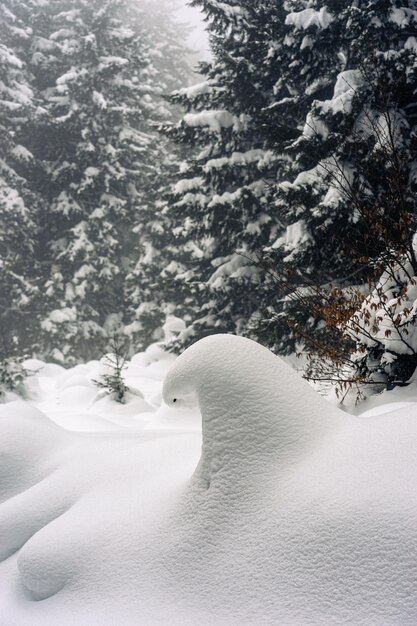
x,y
268,191
187,230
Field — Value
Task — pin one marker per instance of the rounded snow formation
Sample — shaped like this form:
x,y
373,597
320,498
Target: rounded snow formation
x,y
297,514
253,405
307,515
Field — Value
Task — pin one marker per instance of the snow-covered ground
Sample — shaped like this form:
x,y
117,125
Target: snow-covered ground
x,y
286,511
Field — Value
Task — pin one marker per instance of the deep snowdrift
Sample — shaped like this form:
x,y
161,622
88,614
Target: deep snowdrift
x,y
296,514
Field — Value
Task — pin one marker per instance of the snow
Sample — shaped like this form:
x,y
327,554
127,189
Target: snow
x,y
71,75
91,172
262,157
348,79
294,237
215,120
232,11
255,227
7,57
332,197
388,128
307,177
387,316
21,153
199,89
11,200
314,127
411,44
59,316
403,16
19,94
307,18
106,61
307,42
188,184
288,512
236,266
63,33
348,83
99,99
173,326
229,197
65,204
193,198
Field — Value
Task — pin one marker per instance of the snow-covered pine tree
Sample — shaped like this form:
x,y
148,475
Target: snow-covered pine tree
x,y
151,292
18,205
147,292
219,211
99,156
348,205
166,39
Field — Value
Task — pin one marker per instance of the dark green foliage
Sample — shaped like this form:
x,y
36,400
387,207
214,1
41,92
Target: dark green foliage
x,y
19,205
115,363
12,374
80,162
349,201
218,214
300,190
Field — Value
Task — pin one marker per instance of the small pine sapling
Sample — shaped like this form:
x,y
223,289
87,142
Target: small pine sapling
x,y
115,362
12,372
12,375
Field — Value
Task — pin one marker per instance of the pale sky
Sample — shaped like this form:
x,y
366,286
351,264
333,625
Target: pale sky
x,y
198,38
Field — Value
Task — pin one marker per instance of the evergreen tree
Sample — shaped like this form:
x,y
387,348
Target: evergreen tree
x,y
151,292
282,211
348,204
147,285
18,205
97,156
219,209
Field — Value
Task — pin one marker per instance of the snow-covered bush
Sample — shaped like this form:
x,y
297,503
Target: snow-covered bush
x,y
385,326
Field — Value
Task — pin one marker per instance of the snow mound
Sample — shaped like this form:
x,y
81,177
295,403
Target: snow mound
x,y
248,413
293,513
316,506
77,507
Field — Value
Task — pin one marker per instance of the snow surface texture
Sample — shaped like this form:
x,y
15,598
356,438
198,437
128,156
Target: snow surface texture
x,y
297,513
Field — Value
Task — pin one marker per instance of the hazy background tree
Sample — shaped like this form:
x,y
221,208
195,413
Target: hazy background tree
x,y
219,207
19,205
84,86
273,195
